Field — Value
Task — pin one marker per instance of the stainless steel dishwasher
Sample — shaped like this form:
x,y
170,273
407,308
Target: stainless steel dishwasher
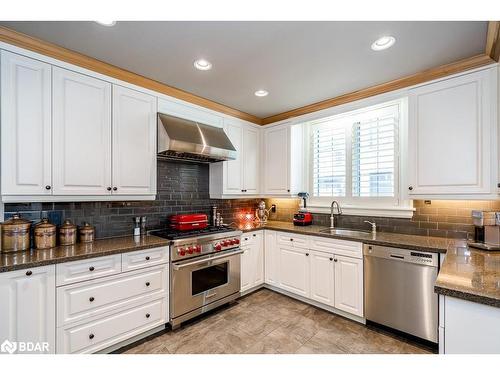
x,y
399,290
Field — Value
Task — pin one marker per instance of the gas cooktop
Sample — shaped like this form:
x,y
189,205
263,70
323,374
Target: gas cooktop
x,y
172,234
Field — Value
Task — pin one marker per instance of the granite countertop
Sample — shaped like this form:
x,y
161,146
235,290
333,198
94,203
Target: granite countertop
x,y
404,241
61,254
470,274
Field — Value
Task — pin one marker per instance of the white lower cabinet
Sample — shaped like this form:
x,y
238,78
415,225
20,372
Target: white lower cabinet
x,y
104,332
349,285
294,270
28,306
316,268
252,261
469,328
322,278
271,258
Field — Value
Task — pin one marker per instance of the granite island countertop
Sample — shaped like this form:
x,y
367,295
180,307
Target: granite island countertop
x,y
61,254
404,241
470,274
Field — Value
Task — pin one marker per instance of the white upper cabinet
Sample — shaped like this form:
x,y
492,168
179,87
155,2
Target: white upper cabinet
x,y
250,160
283,159
26,125
452,142
232,170
134,142
276,160
81,134
240,176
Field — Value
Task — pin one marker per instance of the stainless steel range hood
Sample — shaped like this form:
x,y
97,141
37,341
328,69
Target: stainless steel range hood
x,y
182,139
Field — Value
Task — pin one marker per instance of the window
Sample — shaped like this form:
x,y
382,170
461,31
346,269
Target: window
x,y
355,156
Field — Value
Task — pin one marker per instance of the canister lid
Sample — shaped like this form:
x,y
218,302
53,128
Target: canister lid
x,y
16,221
86,228
67,225
45,225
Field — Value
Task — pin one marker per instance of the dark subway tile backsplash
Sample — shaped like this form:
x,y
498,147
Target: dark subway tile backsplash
x,y
182,188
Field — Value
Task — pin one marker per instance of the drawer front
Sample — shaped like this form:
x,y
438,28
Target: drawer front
x,y
249,239
293,240
85,300
102,333
144,258
340,247
88,269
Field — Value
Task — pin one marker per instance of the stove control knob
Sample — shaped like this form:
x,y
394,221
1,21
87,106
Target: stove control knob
x,y
232,242
217,247
224,243
236,241
190,250
198,248
181,252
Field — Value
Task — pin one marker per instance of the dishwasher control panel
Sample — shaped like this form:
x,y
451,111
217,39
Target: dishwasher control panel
x,y
402,255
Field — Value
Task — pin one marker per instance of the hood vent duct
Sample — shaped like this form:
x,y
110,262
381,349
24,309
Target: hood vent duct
x,y
180,139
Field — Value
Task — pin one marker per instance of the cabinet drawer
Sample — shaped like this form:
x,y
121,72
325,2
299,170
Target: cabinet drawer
x,y
102,333
85,300
144,258
251,238
88,269
294,240
340,247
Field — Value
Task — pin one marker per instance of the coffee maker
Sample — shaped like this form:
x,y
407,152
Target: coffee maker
x,y
486,230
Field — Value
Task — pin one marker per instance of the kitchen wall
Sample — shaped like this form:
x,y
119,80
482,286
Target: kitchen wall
x,y
182,188
439,218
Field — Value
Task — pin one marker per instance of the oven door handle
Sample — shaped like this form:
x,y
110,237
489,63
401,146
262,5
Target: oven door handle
x,y
177,267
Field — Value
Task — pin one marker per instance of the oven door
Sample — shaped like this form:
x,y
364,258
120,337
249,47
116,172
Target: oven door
x,y
201,281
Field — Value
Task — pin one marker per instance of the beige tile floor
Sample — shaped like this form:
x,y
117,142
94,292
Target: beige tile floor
x,y
267,322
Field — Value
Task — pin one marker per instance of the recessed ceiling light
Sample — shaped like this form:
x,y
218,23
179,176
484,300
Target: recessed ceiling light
x,y
261,93
383,43
202,64
106,23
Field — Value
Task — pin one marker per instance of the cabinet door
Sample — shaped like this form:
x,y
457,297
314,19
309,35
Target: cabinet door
x,y
134,142
349,284
451,131
28,306
322,278
25,125
246,268
250,160
81,134
233,172
294,270
258,260
276,160
271,258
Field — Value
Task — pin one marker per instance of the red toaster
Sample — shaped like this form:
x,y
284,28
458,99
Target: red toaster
x,y
188,221
302,218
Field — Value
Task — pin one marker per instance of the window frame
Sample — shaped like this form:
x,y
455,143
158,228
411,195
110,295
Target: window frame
x,y
397,206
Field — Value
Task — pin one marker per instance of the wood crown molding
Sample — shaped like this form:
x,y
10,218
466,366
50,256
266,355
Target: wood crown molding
x,y
493,40
400,83
48,49
491,55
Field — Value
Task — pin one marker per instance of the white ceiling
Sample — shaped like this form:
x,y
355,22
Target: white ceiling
x,y
299,63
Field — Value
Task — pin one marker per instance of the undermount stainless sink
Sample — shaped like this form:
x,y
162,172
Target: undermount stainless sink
x,y
346,232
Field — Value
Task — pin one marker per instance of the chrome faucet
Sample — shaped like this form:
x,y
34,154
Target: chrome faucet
x,y
373,224
332,217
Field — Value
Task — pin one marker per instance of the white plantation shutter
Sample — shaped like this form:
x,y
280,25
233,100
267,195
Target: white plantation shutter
x,y
374,145
329,159
355,155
